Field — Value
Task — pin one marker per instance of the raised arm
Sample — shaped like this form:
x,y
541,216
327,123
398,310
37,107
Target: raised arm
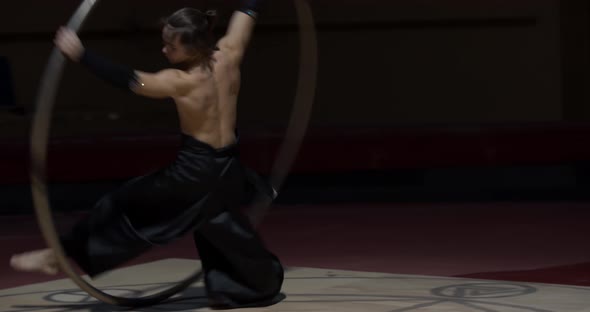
x,y
240,29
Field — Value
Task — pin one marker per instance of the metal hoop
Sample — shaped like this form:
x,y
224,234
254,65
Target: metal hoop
x,y
40,134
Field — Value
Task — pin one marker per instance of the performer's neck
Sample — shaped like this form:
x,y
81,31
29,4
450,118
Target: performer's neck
x,y
194,63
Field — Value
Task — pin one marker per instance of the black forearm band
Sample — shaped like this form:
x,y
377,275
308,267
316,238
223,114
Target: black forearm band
x,y
117,75
251,7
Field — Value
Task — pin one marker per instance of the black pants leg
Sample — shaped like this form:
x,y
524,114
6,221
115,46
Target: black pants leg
x,y
238,269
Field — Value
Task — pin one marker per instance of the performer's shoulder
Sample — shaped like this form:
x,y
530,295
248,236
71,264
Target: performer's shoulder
x,y
181,75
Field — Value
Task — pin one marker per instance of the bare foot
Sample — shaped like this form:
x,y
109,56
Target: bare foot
x,y
40,261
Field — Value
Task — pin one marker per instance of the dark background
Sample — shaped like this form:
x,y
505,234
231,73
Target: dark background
x,y
416,100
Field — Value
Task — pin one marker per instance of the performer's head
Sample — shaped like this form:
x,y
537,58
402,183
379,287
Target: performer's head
x,y
188,37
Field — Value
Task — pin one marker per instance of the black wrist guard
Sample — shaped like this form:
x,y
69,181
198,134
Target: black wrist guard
x,y
251,7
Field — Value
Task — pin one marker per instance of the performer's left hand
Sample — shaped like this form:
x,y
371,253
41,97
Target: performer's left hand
x,y
69,44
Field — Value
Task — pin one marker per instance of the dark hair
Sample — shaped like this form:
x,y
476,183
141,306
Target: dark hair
x,y
194,29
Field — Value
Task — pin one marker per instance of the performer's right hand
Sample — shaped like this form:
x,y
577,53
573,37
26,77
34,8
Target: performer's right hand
x,y
68,42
